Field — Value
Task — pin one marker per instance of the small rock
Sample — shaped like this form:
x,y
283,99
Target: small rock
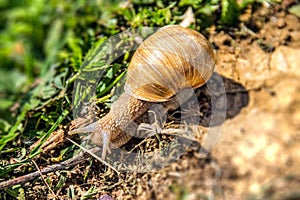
x,y
188,18
280,23
285,59
105,197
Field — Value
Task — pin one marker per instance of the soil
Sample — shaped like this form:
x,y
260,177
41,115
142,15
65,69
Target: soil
x,y
258,153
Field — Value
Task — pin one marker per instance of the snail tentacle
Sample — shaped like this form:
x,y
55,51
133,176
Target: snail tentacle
x,y
86,129
96,131
105,143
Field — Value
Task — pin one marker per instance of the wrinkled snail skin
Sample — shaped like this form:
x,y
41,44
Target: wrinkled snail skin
x,y
123,112
170,60
111,130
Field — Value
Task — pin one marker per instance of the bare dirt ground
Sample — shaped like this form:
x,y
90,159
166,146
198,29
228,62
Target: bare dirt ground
x,y
258,154
259,151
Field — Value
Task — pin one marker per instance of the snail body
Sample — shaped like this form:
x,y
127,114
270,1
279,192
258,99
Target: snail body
x,y
167,62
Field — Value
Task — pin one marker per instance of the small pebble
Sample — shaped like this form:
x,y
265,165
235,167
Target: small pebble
x,y
105,197
280,23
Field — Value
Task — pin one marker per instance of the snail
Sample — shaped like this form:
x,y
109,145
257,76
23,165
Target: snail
x,y
167,62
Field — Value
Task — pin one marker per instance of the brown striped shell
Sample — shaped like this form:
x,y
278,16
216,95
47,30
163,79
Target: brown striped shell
x,y
171,59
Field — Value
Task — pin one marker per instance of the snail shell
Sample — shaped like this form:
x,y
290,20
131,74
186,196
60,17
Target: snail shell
x,y
171,59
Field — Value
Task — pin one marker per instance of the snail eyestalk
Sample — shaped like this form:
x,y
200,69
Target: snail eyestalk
x,y
86,129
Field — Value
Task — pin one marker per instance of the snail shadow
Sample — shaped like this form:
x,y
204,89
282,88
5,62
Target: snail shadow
x,y
220,99
236,98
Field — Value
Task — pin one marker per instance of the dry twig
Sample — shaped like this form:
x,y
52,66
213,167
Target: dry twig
x,y
63,165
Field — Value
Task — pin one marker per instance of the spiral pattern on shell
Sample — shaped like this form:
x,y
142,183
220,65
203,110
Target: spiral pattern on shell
x,y
171,59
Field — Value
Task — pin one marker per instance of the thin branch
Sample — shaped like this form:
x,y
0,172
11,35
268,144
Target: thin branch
x,y
95,156
37,167
63,165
